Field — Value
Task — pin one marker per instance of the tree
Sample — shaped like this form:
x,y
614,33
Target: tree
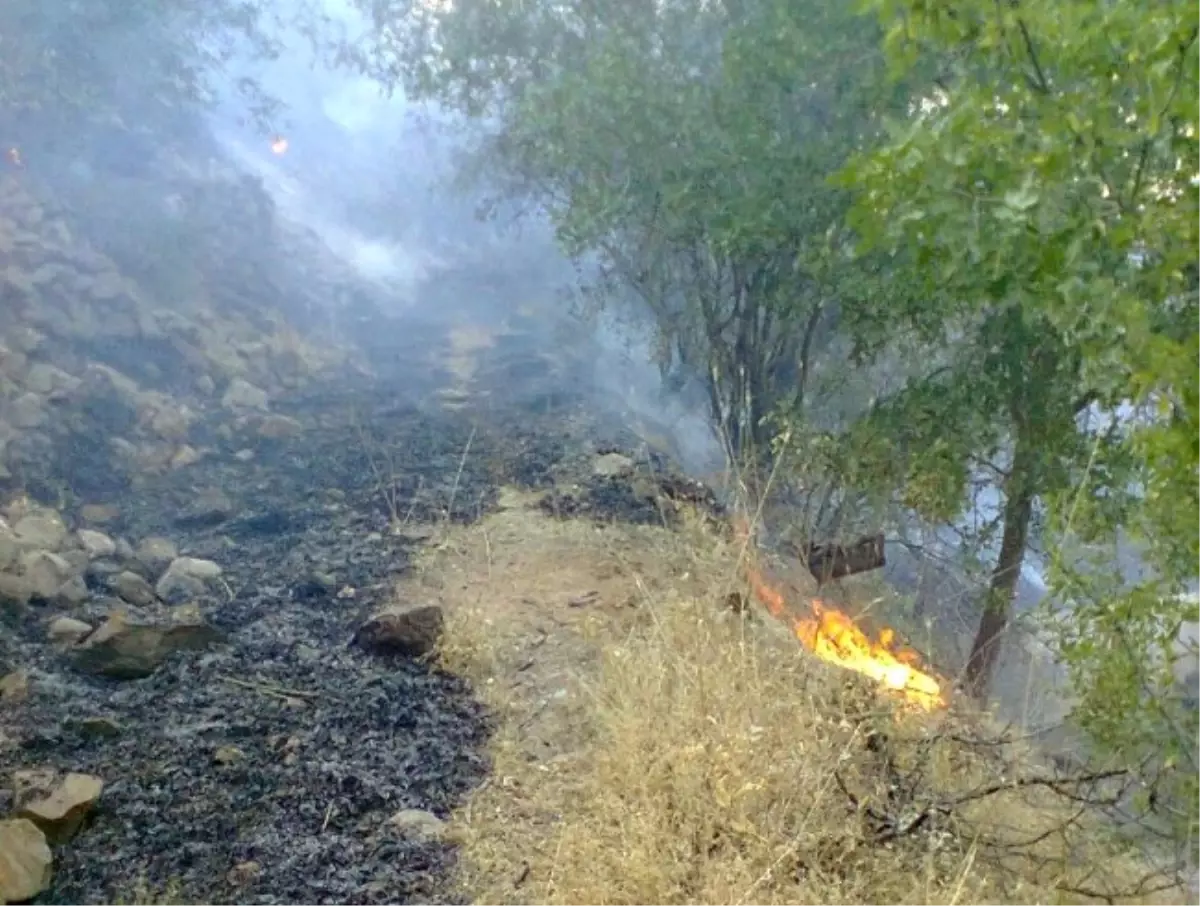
x,y
1042,196
684,149
129,62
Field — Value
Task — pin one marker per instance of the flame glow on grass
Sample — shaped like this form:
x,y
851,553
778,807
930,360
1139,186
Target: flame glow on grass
x,y
833,636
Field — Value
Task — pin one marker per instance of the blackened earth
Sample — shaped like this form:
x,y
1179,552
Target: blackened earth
x,y
266,769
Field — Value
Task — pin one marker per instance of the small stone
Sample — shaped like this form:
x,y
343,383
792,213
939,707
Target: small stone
x,y
25,861
185,456
67,630
97,544
418,824
133,588
612,465
156,553
72,592
412,630
205,570
277,427
241,394
244,455
178,587
57,805
99,513
14,687
228,755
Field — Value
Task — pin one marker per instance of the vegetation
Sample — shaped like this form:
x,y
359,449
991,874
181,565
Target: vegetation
x,y
654,747
994,207
1044,196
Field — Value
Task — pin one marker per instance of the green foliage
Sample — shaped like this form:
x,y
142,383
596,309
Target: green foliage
x,y
119,61
1042,198
685,147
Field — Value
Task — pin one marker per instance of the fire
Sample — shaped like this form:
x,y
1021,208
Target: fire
x,y
279,145
14,157
834,637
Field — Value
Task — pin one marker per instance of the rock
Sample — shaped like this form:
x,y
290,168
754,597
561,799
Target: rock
x,y
204,570
25,861
241,394
14,687
612,465
124,650
184,456
43,378
67,630
9,549
99,513
156,554
27,411
418,824
15,590
133,588
171,423
178,587
277,427
72,592
56,804
226,755
45,571
211,507
413,630
42,529
97,544
77,559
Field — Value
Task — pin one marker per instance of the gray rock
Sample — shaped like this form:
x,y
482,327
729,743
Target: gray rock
x,y
178,587
74,591
156,553
204,570
97,544
133,588
67,630
42,529
418,824
241,394
45,571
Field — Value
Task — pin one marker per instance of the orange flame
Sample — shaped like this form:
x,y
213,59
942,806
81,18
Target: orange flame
x,y
279,145
834,637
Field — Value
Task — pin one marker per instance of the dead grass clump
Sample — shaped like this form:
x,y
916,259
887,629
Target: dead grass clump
x,y
655,748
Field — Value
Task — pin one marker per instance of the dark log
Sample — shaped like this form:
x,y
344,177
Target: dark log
x,y
828,562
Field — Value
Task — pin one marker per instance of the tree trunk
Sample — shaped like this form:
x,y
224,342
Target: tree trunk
x,y
1018,511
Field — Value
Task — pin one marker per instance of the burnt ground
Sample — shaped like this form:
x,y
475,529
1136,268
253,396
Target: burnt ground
x,y
265,770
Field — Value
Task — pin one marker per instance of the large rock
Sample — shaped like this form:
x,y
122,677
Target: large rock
x,y
45,571
156,553
133,588
25,861
56,803
241,394
122,649
412,630
41,528
97,544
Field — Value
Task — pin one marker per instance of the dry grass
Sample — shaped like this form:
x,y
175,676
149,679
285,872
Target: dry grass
x,y
655,747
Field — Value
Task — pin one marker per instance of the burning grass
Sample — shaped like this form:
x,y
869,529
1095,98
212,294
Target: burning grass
x,y
655,746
